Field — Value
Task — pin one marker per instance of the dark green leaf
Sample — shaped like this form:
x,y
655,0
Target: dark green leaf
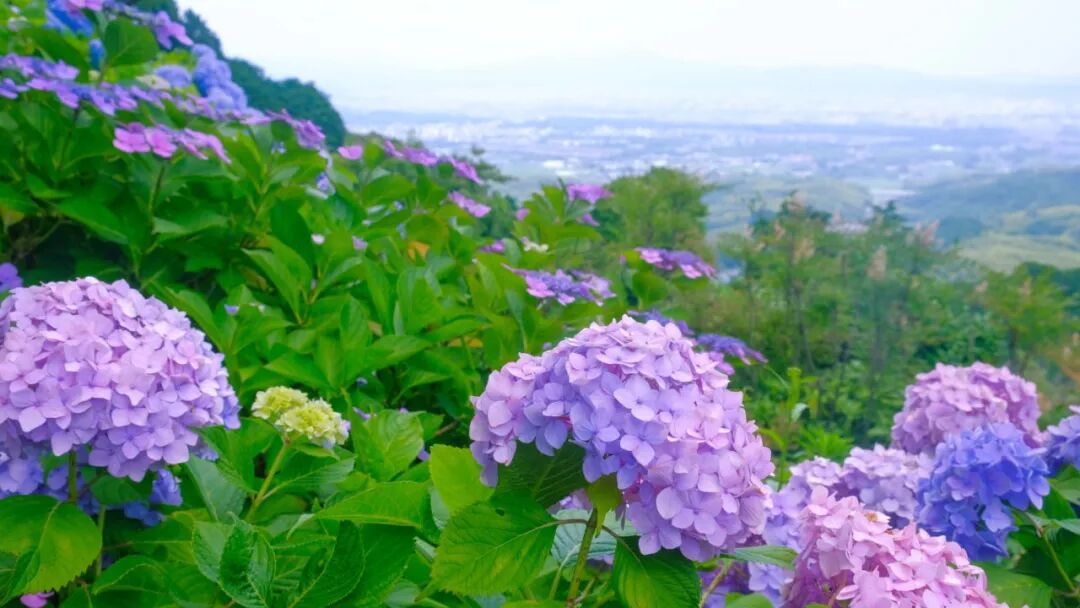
x,y
247,567
661,580
386,550
388,443
132,573
337,577
13,200
221,496
303,472
128,44
548,479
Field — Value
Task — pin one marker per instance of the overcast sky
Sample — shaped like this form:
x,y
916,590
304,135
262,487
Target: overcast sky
x,y
347,45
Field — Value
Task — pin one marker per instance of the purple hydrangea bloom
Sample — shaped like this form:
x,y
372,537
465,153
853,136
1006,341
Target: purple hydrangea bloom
x,y
735,581
418,156
648,409
978,477
36,600
9,89
952,399
851,555
36,67
213,79
564,288
690,264
308,134
589,220
727,345
782,523
9,277
470,206
590,193
655,315
135,138
351,152
176,75
521,213
66,15
166,30
86,363
885,480
494,247
164,491
1062,442
463,169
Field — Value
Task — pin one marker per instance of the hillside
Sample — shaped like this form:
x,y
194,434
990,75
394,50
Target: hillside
x,y
988,197
732,204
1050,235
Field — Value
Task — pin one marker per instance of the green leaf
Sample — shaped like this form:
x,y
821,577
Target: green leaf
x,y
774,555
238,449
548,479
395,503
1017,589
221,496
57,47
661,580
132,573
456,476
386,551
1072,525
494,546
119,490
53,540
247,567
303,472
208,545
387,188
128,44
569,536
387,351
191,221
96,216
16,201
337,577
754,600
388,443
604,495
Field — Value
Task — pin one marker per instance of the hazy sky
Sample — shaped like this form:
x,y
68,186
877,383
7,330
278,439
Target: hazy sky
x,y
344,45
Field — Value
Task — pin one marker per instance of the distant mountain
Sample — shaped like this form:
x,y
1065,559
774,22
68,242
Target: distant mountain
x,y
735,202
987,198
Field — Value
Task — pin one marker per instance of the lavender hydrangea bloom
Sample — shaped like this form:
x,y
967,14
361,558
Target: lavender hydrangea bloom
x,y
1062,444
952,399
727,345
655,315
494,247
176,75
166,30
885,480
782,523
213,79
66,15
135,138
850,554
690,264
564,288
464,169
9,277
470,206
418,156
308,134
979,476
9,89
590,193
86,363
647,409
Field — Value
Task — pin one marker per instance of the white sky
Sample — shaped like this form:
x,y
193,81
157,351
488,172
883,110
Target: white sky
x,y
340,43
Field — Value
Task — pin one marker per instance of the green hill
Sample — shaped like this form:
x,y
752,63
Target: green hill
x,y
734,203
988,197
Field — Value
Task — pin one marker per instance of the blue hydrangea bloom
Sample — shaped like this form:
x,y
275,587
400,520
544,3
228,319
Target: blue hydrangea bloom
x,y
176,75
97,53
164,491
1063,442
978,477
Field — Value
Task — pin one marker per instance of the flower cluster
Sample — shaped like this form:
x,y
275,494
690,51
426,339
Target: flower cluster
x,y
292,412
9,277
979,476
463,169
417,156
164,491
661,318
952,399
135,138
494,247
85,363
590,193
308,134
851,554
690,264
213,79
885,480
1062,443
565,288
647,409
468,205
782,523
176,76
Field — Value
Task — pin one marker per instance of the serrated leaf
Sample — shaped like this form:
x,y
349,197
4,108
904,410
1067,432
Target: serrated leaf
x,y
492,547
247,567
304,472
1016,589
661,580
456,476
238,449
60,540
774,555
395,503
221,496
337,577
128,44
548,479
386,551
388,443
132,573
207,545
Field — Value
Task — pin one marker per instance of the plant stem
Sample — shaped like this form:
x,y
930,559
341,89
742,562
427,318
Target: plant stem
x,y
583,556
73,478
264,490
715,582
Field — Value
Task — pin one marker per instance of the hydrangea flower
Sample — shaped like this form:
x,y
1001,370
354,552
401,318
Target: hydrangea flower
x,y
521,214
655,315
563,287
176,75
952,399
470,206
316,422
351,152
851,554
590,193
690,264
135,138
1062,444
463,169
978,477
166,30
417,156
727,345
308,134
271,403
213,79
97,53
885,480
86,363
164,491
735,581
66,15
648,409
782,523
494,247
9,277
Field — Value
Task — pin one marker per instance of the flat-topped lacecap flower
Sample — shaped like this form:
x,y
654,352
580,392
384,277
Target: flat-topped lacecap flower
x,y
87,364
647,409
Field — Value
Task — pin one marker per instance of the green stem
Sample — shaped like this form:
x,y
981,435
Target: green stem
x,y
715,582
265,488
73,478
583,556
